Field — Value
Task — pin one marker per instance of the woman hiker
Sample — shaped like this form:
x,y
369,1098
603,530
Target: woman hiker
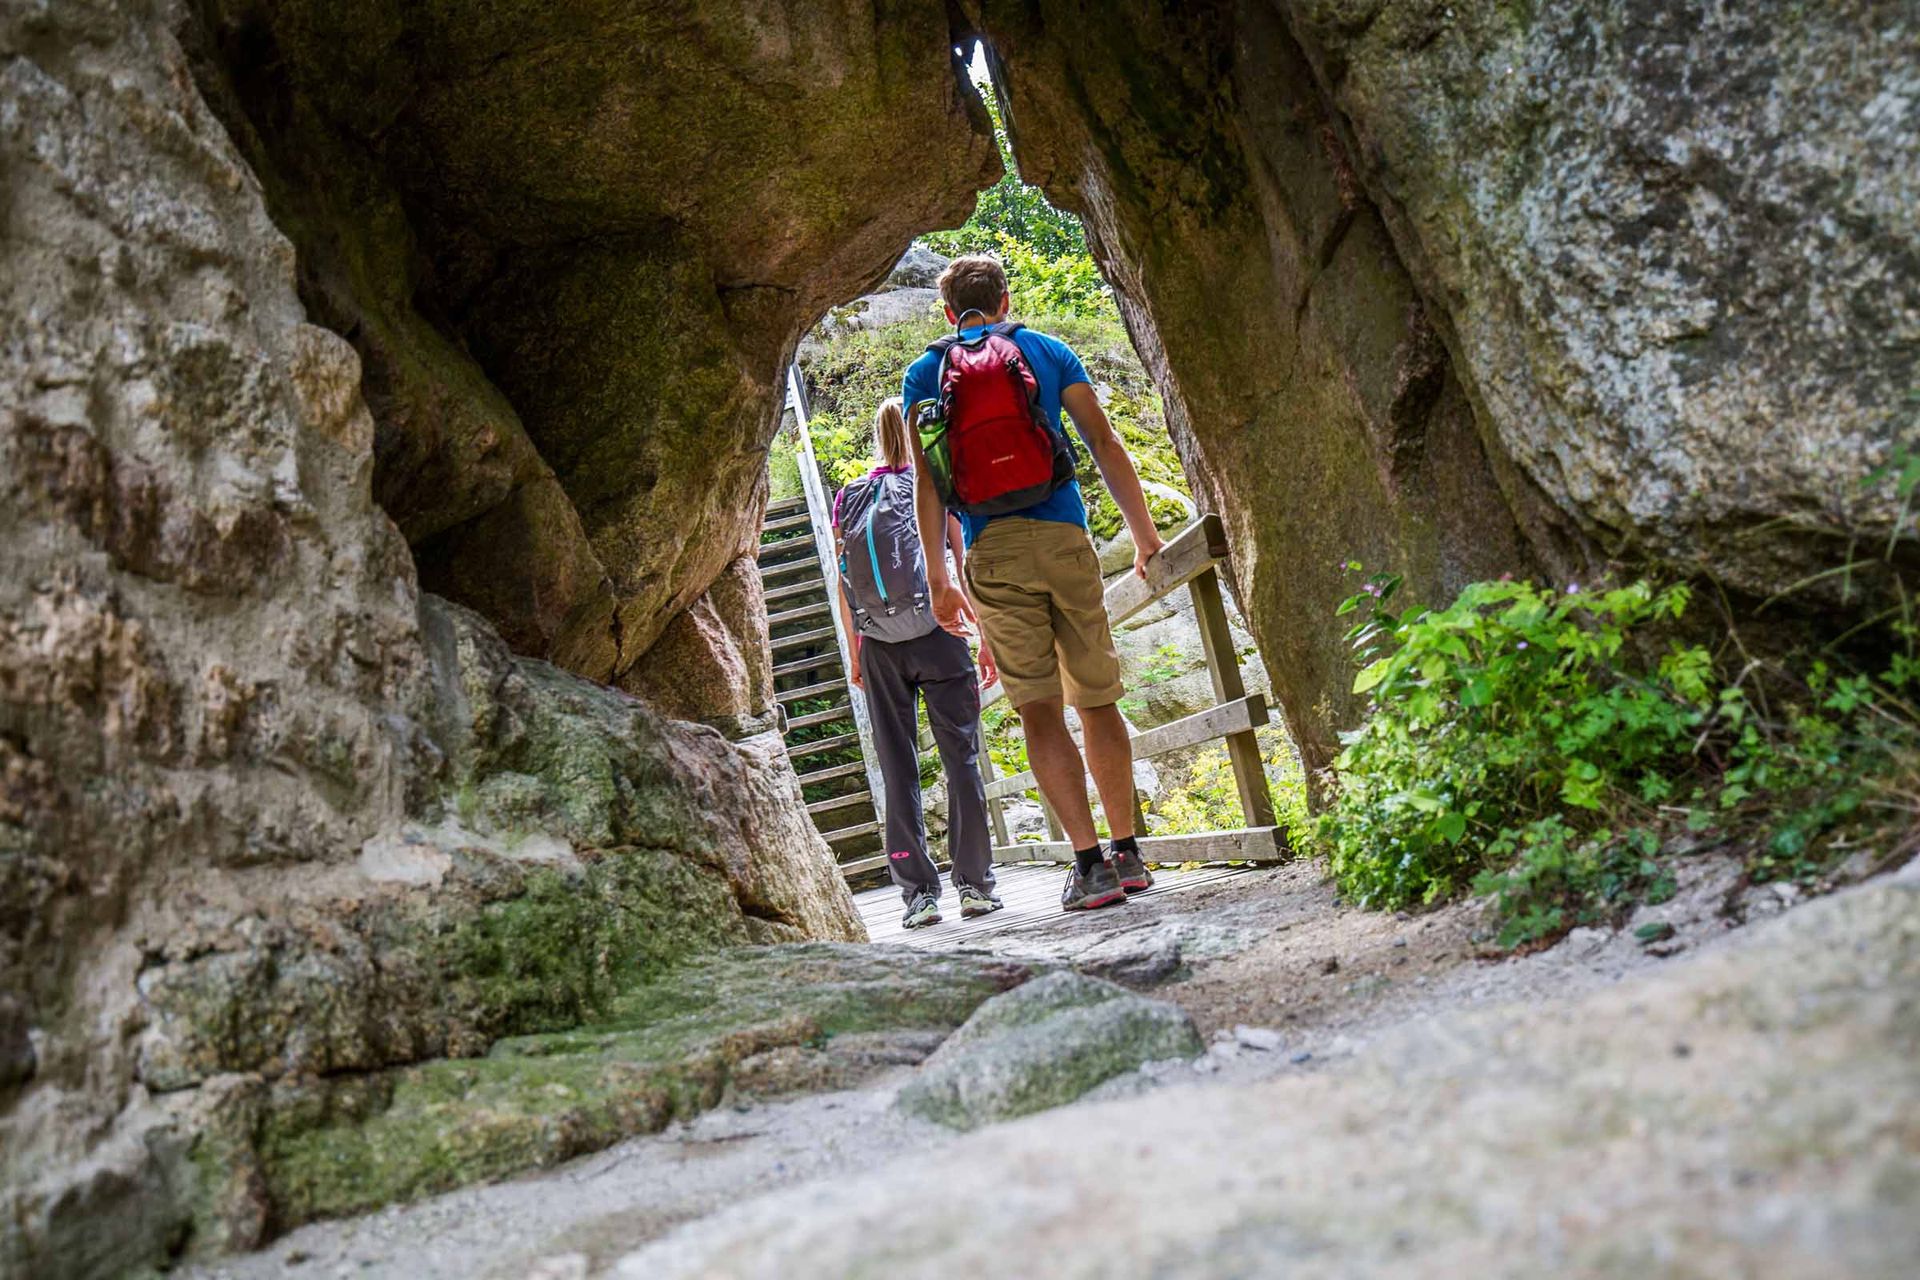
x,y
900,653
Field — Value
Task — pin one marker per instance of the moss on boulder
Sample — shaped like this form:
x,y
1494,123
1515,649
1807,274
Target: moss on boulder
x,y
662,1049
1044,1044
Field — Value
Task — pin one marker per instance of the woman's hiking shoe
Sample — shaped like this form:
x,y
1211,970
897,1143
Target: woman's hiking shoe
x,y
976,902
1097,888
921,912
1131,869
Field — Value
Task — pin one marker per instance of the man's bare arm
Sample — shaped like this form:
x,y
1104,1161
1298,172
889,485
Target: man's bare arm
x,y
930,517
1116,468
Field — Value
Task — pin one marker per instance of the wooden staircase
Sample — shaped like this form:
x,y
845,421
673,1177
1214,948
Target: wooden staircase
x,y
825,729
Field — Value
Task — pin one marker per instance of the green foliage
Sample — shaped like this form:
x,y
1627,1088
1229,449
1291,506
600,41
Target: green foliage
x,y
1064,285
1511,705
1012,209
845,452
1542,748
1168,662
1207,799
783,468
1006,741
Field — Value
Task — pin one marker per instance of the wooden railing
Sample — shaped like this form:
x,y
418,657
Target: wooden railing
x,y
820,515
1191,560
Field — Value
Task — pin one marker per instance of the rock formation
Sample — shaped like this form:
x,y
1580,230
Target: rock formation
x,y
1459,290
269,815
574,245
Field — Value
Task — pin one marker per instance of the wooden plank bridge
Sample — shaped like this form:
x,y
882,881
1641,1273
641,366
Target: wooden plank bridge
x,y
826,727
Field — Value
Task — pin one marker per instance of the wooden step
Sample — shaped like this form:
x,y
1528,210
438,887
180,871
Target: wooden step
x,y
812,587
799,615
814,748
811,691
832,774
820,635
851,833
769,550
787,524
846,801
786,506
819,662
842,712
794,566
1241,844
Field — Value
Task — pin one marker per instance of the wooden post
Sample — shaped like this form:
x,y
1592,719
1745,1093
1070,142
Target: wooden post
x,y
1054,830
1139,812
996,808
1223,664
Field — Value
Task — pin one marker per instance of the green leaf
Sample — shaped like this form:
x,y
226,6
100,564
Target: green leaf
x,y
1451,826
1372,675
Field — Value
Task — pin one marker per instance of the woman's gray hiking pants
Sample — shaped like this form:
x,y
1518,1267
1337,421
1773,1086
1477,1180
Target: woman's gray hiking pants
x,y
937,667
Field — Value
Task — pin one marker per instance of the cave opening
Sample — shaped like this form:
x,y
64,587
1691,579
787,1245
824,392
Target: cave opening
x,y
851,362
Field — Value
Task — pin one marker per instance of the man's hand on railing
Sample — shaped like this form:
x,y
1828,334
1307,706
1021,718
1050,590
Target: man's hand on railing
x,y
1143,551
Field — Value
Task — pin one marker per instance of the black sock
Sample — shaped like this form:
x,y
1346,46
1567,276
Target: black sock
x,y
1087,859
1126,844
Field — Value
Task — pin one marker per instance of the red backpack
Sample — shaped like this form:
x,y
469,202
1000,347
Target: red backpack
x,y
989,446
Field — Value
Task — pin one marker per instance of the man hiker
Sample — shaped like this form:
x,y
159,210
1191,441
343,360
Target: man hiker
x,y
984,408
901,654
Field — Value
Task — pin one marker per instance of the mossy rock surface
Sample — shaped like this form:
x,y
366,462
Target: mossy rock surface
x,y
759,1018
1042,1045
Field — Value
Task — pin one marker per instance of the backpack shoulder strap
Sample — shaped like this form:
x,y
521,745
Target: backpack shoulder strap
x,y
941,345
1006,328
840,499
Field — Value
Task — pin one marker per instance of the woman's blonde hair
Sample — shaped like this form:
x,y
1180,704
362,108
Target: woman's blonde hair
x,y
890,433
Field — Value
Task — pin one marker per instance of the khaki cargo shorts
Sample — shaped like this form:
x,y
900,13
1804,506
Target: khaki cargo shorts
x,y
1036,586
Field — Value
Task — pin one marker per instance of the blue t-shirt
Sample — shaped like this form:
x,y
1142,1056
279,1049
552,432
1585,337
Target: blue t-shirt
x,y
1055,367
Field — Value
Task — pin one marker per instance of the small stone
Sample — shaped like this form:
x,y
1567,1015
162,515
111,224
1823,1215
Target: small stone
x,y
1300,1057
1206,1065
1264,1039
1330,965
1399,942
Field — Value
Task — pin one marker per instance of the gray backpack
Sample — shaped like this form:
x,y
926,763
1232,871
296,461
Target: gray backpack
x,y
881,569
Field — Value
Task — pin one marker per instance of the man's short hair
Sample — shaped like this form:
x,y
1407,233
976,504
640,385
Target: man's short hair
x,y
975,282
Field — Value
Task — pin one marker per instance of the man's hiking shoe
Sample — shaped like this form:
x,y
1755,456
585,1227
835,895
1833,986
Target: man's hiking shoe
x,y
974,902
1098,888
1132,871
921,912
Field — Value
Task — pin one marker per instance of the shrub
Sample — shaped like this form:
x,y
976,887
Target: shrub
x,y
1513,705
1539,747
